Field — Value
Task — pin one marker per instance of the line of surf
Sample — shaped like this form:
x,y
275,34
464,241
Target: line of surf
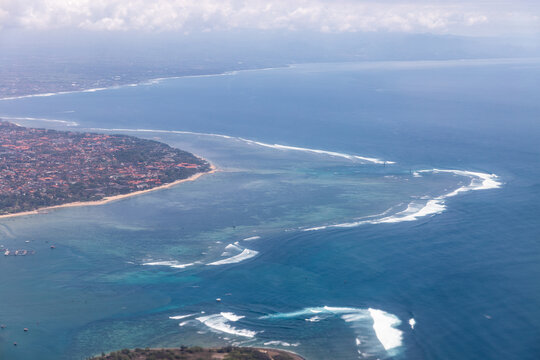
x,y
179,317
384,324
172,264
220,323
418,209
318,151
244,255
351,157
15,118
146,82
361,65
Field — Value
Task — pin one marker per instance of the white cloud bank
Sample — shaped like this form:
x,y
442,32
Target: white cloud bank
x,y
316,15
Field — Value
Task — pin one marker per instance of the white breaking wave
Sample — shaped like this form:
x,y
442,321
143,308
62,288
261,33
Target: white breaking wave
x,y
258,143
66,92
318,151
279,343
234,247
172,264
219,323
417,209
231,316
181,132
39,95
244,255
383,324
251,238
179,317
479,181
143,82
65,122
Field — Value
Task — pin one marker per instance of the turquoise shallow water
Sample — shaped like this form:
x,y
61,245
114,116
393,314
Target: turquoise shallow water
x,y
467,271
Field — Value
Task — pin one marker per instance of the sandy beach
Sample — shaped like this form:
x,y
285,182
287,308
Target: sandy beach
x,y
109,199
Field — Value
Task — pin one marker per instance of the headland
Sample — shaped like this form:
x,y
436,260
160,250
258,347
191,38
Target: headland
x,y
43,169
199,353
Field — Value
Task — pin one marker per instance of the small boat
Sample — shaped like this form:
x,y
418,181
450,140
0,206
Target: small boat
x,y
6,253
53,247
25,329
27,241
218,300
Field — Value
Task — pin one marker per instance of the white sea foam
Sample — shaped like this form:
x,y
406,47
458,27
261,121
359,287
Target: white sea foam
x,y
37,95
97,89
412,323
164,132
143,82
384,325
311,311
219,323
317,151
244,255
418,209
414,211
179,317
314,319
258,143
62,93
172,264
251,238
231,316
279,343
233,247
64,122
479,181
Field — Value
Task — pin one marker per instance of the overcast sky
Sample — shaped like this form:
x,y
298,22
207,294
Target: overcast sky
x,y
473,17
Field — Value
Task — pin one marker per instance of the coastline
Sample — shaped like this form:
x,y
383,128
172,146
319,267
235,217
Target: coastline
x,y
202,353
109,199
150,81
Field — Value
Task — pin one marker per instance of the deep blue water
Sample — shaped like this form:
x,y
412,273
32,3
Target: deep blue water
x,y
468,275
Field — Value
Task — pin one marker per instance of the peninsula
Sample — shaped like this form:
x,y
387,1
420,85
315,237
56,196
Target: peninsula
x,y
42,168
199,353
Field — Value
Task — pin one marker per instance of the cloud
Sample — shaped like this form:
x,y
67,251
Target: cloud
x,y
211,15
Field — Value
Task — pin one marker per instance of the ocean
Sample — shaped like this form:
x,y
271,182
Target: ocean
x,y
382,210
